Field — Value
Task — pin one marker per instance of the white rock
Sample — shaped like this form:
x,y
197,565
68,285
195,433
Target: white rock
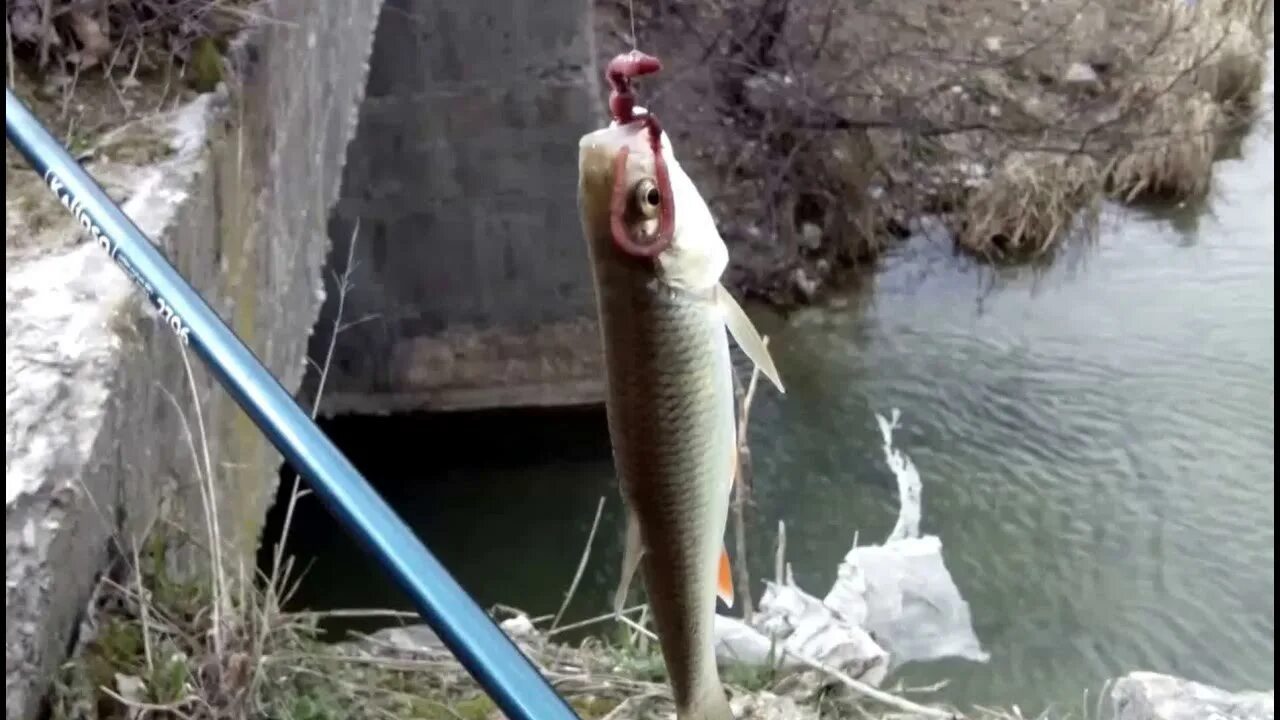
x,y
1152,696
810,236
408,640
807,286
519,626
767,706
1079,73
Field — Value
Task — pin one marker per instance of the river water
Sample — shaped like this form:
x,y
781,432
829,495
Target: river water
x,y
1095,442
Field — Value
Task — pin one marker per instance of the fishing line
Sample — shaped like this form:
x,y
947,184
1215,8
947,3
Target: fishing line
x,y
631,10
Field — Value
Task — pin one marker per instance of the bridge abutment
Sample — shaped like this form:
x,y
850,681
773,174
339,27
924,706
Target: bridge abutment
x,y
470,287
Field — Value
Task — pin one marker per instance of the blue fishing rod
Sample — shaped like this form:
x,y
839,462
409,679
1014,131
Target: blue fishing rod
x,y
509,678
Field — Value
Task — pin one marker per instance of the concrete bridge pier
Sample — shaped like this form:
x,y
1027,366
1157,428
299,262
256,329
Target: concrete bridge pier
x,y
470,286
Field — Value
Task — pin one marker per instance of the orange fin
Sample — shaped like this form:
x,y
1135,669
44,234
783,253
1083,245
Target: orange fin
x,y
724,580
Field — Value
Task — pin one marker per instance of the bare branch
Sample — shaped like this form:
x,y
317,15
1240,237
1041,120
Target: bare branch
x,y
582,565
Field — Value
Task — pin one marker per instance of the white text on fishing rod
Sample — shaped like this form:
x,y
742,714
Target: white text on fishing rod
x,y
72,203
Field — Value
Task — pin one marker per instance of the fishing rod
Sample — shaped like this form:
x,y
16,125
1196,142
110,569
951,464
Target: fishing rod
x,y
504,672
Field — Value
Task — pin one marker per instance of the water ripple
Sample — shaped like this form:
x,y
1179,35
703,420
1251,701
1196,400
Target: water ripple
x,y
1098,457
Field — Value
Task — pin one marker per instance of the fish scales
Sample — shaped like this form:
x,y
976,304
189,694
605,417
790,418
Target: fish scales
x,y
665,321
671,413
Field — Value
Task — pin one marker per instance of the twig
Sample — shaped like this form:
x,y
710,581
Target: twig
x,y
8,53
749,397
742,486
46,29
642,641
780,557
591,621
280,571
582,565
151,707
874,693
344,286
644,632
372,613
142,611
616,713
201,486
211,513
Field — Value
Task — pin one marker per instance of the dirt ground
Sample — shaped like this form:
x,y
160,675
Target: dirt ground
x,y
98,76
819,131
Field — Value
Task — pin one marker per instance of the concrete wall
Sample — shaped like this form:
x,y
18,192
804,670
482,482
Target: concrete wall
x,y
471,286
96,386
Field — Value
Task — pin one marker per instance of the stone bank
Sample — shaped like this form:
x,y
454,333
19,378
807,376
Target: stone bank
x,y
97,394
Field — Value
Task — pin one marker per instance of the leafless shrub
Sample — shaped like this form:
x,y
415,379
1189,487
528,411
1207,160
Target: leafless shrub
x,y
142,33
823,128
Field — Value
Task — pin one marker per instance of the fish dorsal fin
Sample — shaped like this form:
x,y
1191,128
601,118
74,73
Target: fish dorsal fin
x,y
745,335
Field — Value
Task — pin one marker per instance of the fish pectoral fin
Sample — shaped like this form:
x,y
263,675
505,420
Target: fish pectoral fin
x,y
631,553
746,336
724,579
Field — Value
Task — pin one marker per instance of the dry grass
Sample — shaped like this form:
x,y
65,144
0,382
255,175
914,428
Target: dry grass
x,y
185,650
89,68
1154,139
140,34
1232,74
1173,162
167,644
1029,204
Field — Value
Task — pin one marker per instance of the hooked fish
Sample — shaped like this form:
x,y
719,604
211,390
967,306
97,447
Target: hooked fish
x,y
657,261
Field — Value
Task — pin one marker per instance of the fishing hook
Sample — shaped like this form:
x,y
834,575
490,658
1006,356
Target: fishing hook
x,y
622,103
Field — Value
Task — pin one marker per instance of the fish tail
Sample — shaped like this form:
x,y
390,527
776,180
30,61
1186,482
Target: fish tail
x,y
712,705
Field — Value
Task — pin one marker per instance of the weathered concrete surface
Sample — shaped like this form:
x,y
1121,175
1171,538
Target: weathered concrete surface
x,y
96,386
471,287
1152,696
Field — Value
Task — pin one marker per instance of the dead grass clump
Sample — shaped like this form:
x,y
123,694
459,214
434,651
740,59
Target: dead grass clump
x,y
1171,156
1252,11
1028,204
1214,46
1232,70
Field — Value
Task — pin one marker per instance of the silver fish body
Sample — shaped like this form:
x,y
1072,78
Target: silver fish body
x,y
671,418
671,421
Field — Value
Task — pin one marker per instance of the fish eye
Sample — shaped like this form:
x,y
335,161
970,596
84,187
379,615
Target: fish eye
x,y
648,198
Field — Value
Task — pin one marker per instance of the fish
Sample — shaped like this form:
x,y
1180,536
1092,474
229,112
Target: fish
x,y
665,318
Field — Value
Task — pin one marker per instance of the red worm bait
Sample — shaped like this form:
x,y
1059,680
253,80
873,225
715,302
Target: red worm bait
x,y
622,103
